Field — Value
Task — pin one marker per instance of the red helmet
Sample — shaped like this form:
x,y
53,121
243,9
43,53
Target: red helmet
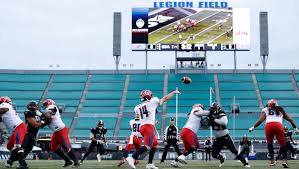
x,y
146,95
272,103
197,105
5,99
48,102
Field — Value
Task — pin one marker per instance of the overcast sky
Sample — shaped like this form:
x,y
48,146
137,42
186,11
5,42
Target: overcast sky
x,y
77,34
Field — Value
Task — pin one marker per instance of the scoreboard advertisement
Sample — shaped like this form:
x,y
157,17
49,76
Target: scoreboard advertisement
x,y
191,29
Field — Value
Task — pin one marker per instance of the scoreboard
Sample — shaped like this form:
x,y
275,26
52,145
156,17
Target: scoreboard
x,y
190,29
190,47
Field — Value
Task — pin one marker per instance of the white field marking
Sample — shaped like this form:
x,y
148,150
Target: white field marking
x,y
219,36
180,31
203,31
176,21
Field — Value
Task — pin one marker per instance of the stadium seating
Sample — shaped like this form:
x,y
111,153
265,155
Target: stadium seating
x,y
105,91
240,87
278,86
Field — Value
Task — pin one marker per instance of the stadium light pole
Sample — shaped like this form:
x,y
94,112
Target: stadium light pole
x,y
176,107
211,100
234,117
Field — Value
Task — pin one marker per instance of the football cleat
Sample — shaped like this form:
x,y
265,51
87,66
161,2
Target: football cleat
x,y
99,158
273,163
121,162
131,162
285,164
182,159
174,163
76,164
67,163
247,166
8,163
221,162
151,166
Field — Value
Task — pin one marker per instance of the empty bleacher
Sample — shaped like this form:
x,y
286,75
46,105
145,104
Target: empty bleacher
x,y
278,86
105,91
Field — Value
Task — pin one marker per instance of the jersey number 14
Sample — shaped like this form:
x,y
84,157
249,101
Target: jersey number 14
x,y
143,111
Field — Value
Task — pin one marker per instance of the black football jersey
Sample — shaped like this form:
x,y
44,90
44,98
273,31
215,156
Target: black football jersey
x,y
214,125
288,135
245,144
99,134
35,114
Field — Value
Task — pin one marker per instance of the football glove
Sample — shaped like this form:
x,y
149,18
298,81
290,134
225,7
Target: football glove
x,y
251,129
296,131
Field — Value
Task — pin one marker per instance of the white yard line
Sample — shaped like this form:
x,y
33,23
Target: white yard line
x,y
180,31
203,31
174,22
219,36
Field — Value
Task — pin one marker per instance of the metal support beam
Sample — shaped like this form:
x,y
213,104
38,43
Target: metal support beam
x,y
116,59
264,61
235,60
146,62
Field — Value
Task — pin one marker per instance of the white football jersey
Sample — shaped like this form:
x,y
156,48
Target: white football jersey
x,y
147,111
193,122
271,115
135,126
11,118
56,122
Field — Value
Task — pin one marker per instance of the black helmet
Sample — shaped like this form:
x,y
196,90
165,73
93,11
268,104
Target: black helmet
x,y
286,128
215,107
100,123
32,106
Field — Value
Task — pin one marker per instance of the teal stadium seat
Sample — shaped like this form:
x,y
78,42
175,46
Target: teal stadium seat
x,y
106,86
176,78
273,77
147,78
25,77
234,77
113,109
104,95
67,86
108,78
90,122
70,78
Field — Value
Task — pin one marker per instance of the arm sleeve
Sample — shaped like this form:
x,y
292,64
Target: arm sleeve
x,y
165,133
200,112
91,135
177,133
222,120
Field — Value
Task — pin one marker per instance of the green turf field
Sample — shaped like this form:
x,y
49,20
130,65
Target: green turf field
x,y
43,164
206,31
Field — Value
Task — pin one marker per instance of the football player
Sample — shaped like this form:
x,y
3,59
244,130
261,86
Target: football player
x,y
274,114
34,120
60,143
289,140
218,122
147,113
245,146
98,140
134,140
188,133
16,128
